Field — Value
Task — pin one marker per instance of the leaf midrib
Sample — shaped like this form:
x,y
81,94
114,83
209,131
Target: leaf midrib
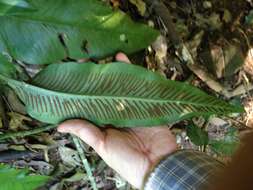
x,y
55,93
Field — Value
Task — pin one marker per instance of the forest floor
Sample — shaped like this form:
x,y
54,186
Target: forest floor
x,y
219,37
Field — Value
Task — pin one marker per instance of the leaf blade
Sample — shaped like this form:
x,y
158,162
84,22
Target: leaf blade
x,y
14,179
6,67
68,28
117,93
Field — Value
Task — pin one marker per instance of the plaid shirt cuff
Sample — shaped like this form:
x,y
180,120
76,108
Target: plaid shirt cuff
x,y
184,170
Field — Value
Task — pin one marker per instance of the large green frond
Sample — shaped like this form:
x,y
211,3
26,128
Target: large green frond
x,y
116,93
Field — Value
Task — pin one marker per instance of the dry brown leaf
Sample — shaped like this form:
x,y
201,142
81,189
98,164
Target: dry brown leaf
x,y
219,60
69,156
160,47
193,44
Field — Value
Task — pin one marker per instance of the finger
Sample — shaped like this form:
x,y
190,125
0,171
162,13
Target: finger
x,y
122,57
88,132
150,129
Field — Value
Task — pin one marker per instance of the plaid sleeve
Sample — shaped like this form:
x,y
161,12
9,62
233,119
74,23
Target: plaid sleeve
x,y
184,170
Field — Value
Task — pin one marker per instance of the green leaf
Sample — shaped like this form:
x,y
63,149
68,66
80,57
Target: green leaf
x,y
117,93
228,145
197,135
70,28
6,67
8,7
14,179
249,18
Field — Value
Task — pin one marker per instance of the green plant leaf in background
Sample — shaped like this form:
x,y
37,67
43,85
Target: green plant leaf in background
x,y
6,67
228,145
249,18
14,179
14,6
197,135
77,29
116,93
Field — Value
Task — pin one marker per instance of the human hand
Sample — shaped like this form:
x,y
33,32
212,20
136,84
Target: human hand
x,y
131,152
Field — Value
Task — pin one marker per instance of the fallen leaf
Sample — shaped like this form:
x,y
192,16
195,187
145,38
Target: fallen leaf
x,y
38,146
248,65
227,17
193,44
78,176
40,166
16,120
218,60
17,147
69,156
223,60
160,47
234,59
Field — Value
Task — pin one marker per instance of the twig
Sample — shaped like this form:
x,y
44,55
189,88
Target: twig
x,y
85,162
26,133
14,155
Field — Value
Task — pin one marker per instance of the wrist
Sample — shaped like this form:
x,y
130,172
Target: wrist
x,y
154,165
184,169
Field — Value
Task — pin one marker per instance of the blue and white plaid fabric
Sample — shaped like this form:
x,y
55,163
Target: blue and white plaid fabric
x,y
184,170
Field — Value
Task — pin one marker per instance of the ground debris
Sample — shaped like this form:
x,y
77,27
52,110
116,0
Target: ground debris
x,y
217,39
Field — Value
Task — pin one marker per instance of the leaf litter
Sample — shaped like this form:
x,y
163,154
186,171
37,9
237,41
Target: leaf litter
x,y
219,36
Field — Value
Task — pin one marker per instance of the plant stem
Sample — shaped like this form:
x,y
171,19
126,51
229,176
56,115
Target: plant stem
x,y
26,133
85,162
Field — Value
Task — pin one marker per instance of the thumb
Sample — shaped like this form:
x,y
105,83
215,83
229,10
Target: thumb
x,y
86,131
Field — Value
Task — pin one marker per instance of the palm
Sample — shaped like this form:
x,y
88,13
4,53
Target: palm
x,y
151,143
133,152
